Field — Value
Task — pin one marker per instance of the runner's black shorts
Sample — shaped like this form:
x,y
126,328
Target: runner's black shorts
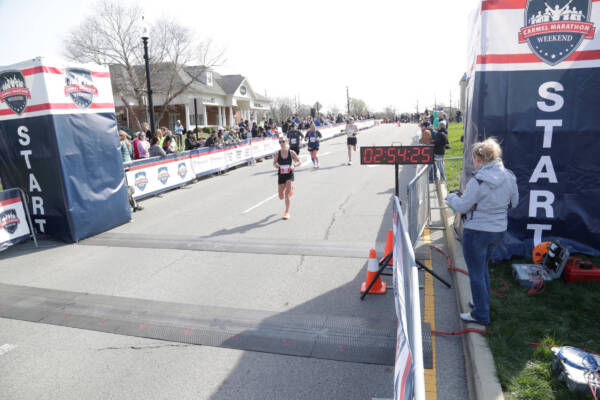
x,y
283,178
296,149
313,149
351,141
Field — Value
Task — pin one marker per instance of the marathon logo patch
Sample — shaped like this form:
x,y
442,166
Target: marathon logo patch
x,y
9,221
141,180
13,91
163,175
79,85
554,29
182,170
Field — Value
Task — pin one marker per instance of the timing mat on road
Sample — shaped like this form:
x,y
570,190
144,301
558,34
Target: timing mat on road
x,y
321,248
315,336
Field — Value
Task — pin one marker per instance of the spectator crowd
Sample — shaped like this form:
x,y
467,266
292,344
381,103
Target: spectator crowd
x,y
434,132
146,144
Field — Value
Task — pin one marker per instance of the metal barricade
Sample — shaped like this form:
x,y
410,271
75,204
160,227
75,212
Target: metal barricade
x,y
409,375
419,212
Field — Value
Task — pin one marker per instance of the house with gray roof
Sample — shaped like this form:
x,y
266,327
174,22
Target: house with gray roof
x,y
207,99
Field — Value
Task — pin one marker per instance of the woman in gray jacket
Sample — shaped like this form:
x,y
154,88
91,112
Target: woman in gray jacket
x,y
484,205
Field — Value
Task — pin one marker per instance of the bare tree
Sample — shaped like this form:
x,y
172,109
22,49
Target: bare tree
x,y
112,36
389,112
358,106
282,108
303,111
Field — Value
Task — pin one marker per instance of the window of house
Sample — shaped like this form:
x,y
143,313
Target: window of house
x,y
209,78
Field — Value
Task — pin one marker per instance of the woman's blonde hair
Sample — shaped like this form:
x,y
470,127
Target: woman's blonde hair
x,y
123,136
489,150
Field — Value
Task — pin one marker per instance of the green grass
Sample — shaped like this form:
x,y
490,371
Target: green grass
x,y
453,168
565,314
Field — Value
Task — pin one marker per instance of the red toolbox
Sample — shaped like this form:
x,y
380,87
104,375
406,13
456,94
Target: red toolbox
x,y
578,269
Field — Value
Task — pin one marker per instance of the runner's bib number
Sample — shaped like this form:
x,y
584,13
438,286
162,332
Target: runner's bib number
x,y
293,141
285,169
312,139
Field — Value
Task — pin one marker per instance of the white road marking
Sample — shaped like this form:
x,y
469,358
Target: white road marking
x,y
5,348
259,204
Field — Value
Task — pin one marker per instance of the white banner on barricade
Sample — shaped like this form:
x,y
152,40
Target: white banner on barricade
x,y
237,154
201,163
404,370
14,226
157,176
152,176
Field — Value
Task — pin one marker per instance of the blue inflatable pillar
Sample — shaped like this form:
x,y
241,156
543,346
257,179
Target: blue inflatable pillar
x,y
59,143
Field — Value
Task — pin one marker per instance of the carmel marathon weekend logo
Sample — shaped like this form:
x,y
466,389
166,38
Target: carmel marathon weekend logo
x,y
9,221
79,85
141,180
554,29
13,91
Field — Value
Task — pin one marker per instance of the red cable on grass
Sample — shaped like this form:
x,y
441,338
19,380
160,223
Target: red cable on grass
x,y
536,287
450,267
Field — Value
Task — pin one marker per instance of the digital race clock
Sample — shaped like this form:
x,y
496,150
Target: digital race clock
x,y
396,155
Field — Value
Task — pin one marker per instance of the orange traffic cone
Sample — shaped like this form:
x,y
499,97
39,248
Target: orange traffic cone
x,y
389,246
398,123
378,287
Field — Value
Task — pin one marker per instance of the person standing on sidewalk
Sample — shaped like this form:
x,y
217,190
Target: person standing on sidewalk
x,y
484,206
440,141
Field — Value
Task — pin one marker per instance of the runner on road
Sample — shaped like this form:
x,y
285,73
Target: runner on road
x,y
295,137
351,131
285,160
313,137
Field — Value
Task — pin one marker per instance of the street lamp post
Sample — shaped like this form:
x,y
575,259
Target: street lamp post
x,y
145,36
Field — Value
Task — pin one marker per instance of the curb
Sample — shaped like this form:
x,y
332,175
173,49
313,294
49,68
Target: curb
x,y
479,362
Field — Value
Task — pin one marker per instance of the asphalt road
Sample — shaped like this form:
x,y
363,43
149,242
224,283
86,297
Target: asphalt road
x,y
308,265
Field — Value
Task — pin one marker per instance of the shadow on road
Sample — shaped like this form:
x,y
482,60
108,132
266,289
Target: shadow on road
x,y
268,220
267,376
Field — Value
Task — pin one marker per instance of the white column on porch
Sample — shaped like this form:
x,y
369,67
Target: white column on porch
x,y
219,122
204,115
231,121
187,117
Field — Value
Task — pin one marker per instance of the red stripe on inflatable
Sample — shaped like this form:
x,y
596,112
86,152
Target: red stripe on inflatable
x,y
488,5
8,202
58,71
502,4
57,106
41,70
531,58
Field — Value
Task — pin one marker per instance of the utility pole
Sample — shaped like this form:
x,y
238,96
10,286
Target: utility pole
x,y
417,106
348,99
450,105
